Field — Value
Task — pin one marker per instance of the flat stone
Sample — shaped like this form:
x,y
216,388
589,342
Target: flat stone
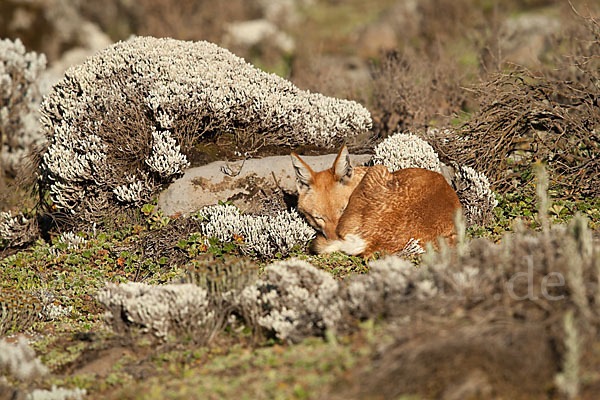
x,y
242,182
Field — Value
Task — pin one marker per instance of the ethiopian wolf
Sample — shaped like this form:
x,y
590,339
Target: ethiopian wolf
x,y
365,209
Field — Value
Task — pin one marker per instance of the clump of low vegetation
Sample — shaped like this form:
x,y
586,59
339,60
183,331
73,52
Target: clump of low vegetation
x,y
262,235
403,150
294,300
116,134
20,368
180,310
527,116
19,100
18,310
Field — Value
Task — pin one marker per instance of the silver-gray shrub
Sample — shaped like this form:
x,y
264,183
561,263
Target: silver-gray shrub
x,y
264,235
391,281
16,229
476,196
293,300
554,270
122,123
19,101
71,240
172,309
11,225
405,150
18,359
57,393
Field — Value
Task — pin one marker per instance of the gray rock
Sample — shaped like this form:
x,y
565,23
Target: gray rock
x,y
526,38
253,185
247,34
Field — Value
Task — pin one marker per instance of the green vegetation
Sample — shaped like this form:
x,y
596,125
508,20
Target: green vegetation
x,y
230,366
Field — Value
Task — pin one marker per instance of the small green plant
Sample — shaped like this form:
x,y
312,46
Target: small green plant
x,y
338,264
196,245
18,310
219,275
155,219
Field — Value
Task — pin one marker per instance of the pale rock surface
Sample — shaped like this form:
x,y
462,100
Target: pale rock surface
x,y
248,34
239,182
525,38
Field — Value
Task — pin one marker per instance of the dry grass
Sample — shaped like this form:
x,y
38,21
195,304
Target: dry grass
x,y
409,92
185,20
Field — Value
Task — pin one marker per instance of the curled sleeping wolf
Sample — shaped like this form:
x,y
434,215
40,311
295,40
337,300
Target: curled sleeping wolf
x,y
360,210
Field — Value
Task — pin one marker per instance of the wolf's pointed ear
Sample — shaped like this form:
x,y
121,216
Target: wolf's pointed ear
x,y
341,166
303,172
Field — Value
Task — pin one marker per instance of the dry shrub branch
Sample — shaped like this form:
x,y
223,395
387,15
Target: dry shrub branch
x,y
412,93
525,117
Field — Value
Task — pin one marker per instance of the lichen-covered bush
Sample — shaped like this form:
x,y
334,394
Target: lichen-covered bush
x,y
123,122
179,309
391,281
406,151
19,102
19,360
71,241
194,306
476,197
293,300
16,230
264,235
57,393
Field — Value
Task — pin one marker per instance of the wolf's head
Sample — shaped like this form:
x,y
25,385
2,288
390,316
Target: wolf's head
x,y
323,196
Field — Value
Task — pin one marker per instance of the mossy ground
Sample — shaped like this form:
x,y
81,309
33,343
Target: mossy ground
x,y
82,352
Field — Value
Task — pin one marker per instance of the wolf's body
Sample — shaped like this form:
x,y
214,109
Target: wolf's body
x,y
365,209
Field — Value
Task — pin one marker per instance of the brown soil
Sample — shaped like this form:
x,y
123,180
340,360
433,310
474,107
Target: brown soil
x,y
100,363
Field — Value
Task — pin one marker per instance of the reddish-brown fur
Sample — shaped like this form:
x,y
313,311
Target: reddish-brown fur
x,y
384,209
